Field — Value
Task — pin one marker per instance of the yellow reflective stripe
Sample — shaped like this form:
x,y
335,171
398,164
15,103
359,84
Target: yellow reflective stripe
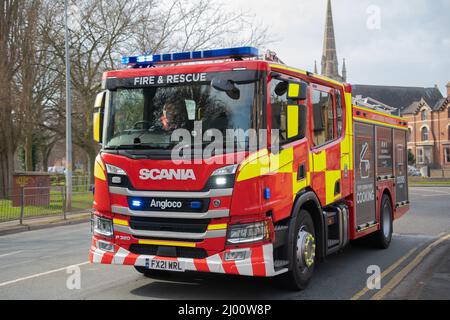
x,y
121,222
100,161
320,161
168,243
294,90
292,114
380,113
99,172
277,66
256,165
283,161
217,226
381,123
331,177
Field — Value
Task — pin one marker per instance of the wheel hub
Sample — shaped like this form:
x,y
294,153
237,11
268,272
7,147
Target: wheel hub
x,y
306,249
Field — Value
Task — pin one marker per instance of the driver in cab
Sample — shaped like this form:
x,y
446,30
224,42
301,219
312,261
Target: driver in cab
x,y
168,118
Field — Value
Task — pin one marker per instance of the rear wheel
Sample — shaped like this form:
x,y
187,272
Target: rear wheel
x,y
382,238
150,273
303,255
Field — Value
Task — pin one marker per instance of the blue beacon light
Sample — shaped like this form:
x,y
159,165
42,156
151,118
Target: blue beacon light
x,y
148,60
136,203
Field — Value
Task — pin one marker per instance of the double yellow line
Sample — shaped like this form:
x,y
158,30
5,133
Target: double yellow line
x,y
399,276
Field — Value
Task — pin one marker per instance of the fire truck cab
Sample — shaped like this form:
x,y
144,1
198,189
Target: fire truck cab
x,y
225,162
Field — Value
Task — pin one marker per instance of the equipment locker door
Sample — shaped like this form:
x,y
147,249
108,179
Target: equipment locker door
x,y
365,198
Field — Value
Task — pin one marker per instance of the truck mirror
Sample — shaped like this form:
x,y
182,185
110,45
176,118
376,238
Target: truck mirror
x,y
296,121
297,91
97,122
226,86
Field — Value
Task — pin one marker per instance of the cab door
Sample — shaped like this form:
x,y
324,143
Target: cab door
x,y
325,144
289,146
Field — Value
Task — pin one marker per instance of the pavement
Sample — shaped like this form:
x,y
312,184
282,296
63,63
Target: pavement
x,y
11,227
42,264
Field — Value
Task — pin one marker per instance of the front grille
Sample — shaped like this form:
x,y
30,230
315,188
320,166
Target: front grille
x,y
168,204
172,252
169,225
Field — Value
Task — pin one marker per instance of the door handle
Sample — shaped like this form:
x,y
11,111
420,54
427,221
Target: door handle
x,y
301,172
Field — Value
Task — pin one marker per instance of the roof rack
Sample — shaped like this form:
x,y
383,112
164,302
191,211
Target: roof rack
x,y
373,104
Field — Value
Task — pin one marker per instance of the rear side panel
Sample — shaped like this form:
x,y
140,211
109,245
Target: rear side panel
x,y
380,167
401,165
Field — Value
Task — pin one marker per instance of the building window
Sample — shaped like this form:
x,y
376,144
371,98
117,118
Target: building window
x,y
449,112
424,115
425,134
410,134
447,155
448,129
420,158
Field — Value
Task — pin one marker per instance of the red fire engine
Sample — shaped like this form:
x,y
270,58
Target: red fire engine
x,y
324,171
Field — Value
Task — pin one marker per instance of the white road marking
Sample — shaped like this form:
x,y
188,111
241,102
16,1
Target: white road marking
x,y
430,190
10,254
42,274
430,195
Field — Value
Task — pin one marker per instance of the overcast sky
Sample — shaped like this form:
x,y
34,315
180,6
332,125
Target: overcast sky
x,y
411,47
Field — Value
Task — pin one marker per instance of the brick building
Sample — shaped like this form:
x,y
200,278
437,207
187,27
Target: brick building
x,y
429,138
428,115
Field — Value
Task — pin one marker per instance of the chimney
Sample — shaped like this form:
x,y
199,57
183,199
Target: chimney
x,y
448,89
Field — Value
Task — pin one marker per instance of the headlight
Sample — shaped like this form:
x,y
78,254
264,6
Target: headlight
x,y
247,233
223,178
103,227
115,170
226,170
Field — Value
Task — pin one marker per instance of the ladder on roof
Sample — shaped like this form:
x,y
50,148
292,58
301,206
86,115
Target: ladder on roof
x,y
376,105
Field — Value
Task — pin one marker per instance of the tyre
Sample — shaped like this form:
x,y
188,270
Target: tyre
x,y
150,273
302,255
382,238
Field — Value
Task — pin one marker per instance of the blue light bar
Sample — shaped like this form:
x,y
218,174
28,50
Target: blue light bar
x,y
136,203
196,205
242,52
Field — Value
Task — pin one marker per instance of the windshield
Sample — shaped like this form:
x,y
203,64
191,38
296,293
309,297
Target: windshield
x,y
146,118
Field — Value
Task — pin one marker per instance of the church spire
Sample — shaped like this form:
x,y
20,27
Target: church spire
x,y
344,71
329,56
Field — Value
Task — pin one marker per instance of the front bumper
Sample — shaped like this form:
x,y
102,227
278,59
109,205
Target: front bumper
x,y
259,264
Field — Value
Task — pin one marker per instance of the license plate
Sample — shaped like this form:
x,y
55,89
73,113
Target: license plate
x,y
167,265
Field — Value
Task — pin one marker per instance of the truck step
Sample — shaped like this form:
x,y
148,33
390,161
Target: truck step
x,y
280,228
332,243
280,264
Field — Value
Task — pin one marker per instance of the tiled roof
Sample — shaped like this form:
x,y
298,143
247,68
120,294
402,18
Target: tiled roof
x,y
400,97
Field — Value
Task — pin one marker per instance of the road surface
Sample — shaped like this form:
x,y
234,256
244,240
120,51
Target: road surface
x,y
33,265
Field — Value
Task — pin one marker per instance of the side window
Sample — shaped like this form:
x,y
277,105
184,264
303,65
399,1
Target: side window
x,y
279,102
324,117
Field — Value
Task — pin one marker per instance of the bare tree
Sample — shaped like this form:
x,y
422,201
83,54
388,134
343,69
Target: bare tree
x,y
184,25
17,19
100,32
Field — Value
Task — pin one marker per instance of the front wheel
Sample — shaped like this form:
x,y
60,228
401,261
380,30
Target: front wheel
x,y
303,255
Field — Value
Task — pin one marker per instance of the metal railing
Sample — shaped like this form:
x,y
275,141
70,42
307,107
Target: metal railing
x,y
32,202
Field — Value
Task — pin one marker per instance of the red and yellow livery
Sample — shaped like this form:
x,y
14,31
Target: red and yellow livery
x,y
330,172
